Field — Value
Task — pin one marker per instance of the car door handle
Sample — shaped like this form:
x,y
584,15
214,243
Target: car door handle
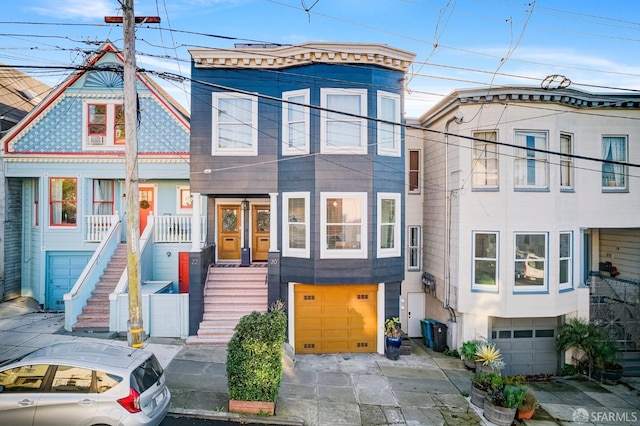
x,y
87,401
26,402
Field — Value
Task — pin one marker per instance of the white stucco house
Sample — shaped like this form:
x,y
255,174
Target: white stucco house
x,y
530,217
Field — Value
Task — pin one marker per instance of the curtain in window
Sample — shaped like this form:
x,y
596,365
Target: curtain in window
x,y
56,197
531,166
102,197
388,223
234,123
343,130
297,227
613,148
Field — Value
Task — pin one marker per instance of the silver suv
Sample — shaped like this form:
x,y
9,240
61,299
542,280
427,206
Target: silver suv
x,y
83,383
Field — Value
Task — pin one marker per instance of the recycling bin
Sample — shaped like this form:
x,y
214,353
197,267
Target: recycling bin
x,y
426,331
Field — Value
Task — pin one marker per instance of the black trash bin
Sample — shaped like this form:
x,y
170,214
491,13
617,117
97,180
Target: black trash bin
x,y
439,337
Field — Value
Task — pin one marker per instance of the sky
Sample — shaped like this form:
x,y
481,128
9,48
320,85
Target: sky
x,y
592,45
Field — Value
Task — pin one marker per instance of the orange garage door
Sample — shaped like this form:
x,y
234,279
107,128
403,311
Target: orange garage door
x,y
334,319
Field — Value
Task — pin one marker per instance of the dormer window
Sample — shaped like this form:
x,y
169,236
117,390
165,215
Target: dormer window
x,y
105,125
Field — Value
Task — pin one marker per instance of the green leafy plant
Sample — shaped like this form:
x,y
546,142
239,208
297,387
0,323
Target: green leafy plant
x,y
529,401
254,356
468,349
485,381
507,397
452,352
392,327
568,370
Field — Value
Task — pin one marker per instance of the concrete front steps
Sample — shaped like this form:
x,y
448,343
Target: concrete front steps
x,y
95,314
229,294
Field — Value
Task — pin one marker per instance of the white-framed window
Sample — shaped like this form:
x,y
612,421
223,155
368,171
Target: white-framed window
x,y
343,225
388,133
485,261
388,225
103,124
63,201
566,161
614,176
530,259
531,167
485,159
414,245
296,230
414,171
565,271
184,200
103,197
35,188
340,133
295,123
235,124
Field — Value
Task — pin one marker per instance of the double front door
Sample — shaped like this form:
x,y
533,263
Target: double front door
x,y
230,232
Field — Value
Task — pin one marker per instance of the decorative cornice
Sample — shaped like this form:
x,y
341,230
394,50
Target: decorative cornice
x,y
268,57
26,158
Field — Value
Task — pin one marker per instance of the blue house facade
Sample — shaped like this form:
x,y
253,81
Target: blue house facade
x,y
300,153
64,165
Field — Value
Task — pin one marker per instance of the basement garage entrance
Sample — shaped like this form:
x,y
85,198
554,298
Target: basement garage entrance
x,y
528,345
335,318
63,269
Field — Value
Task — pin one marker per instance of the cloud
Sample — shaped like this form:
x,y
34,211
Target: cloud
x,y
78,9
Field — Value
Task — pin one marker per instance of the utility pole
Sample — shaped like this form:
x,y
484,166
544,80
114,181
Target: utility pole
x,y
135,333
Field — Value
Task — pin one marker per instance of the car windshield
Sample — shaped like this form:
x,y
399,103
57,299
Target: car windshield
x,y
146,374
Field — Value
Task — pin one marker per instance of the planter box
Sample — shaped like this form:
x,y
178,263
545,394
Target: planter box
x,y
252,407
477,397
501,416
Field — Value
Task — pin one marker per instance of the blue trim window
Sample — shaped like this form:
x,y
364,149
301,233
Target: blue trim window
x,y
565,271
485,261
531,166
531,262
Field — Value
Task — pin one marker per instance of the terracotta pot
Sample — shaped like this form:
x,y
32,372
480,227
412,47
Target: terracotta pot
x,y
252,407
525,415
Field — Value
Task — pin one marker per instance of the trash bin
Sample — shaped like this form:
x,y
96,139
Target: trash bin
x,y
427,331
439,337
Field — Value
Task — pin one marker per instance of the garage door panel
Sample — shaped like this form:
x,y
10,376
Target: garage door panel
x,y
348,319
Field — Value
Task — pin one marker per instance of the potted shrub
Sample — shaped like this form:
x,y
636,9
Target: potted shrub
x,y
528,405
393,338
481,383
501,404
591,347
254,361
468,353
488,358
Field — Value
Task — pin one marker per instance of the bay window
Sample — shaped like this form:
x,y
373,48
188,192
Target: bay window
x,y
485,160
388,225
343,229
565,263
343,133
388,132
614,148
530,262
296,218
295,123
485,261
531,167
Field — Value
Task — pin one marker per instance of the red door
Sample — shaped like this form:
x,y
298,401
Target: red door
x,y
183,272
146,197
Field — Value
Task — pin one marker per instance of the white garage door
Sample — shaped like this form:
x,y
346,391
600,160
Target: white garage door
x,y
528,345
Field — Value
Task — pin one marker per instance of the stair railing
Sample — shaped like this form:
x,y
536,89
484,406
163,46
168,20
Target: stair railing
x,y
77,298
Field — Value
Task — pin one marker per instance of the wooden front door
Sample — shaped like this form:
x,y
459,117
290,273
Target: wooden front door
x,y
261,219
229,236
146,200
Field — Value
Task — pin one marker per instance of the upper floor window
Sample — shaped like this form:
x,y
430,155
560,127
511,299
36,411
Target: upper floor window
x,y
485,261
614,148
566,161
103,197
566,265
531,167
342,133
343,225
414,240
388,132
485,159
388,225
63,201
104,125
414,171
531,262
235,124
295,122
295,232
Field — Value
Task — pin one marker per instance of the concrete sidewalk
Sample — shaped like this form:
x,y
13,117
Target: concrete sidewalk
x,y
423,388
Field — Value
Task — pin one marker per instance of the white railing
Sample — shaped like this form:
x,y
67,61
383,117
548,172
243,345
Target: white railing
x,y
176,229
98,225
